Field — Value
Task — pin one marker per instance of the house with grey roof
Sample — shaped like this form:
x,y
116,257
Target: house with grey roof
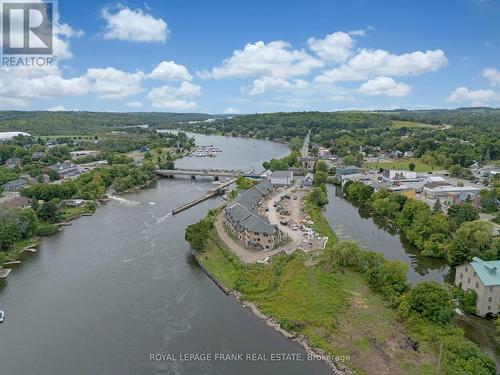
x,y
65,169
243,220
15,185
484,278
307,182
12,163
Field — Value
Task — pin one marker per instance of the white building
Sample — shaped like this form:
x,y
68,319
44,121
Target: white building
x,y
482,277
438,190
391,176
8,136
282,178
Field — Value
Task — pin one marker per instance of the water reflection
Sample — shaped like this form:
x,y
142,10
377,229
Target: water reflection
x,y
374,233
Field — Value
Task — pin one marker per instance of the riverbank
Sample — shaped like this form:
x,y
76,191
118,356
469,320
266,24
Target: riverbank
x,y
332,309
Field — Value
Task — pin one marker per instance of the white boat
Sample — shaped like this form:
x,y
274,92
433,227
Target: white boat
x,y
2,315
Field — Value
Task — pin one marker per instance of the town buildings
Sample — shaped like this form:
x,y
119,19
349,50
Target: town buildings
x,y
394,176
282,178
65,169
484,278
307,181
15,185
242,219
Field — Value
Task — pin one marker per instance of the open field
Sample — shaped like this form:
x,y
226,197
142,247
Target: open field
x,y
403,164
411,124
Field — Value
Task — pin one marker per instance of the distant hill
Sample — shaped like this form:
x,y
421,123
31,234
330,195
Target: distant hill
x,y
49,123
459,117
289,123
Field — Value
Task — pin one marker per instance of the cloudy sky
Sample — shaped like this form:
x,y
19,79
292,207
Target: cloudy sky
x,y
262,56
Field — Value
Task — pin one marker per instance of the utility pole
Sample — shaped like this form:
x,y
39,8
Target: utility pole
x,y
438,370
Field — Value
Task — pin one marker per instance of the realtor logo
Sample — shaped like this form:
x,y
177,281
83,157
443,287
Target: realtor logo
x,y
27,34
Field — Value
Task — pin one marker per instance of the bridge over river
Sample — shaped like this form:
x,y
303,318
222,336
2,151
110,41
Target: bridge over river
x,y
216,173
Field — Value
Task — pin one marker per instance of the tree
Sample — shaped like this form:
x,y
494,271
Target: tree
x,y
461,213
244,183
388,277
320,166
49,212
53,175
437,206
411,166
320,178
432,301
318,196
346,253
488,199
359,192
473,239
197,234
464,357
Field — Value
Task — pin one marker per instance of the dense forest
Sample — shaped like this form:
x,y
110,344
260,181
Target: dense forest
x,y
471,116
50,123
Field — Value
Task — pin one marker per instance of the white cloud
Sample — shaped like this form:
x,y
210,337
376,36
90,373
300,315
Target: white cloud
x,y
111,83
134,104
231,111
175,98
264,84
9,103
342,98
336,47
170,71
371,63
384,86
360,32
274,59
21,84
492,75
473,97
134,26
57,108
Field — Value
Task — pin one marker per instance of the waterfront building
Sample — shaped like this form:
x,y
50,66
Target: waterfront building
x,y
484,278
282,178
243,220
346,171
307,182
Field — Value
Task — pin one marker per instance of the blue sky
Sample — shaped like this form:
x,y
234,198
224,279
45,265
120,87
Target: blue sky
x,y
263,56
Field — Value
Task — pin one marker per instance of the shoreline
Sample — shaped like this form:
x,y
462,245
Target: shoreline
x,y
336,368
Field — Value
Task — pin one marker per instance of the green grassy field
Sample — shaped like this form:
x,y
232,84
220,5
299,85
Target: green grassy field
x,y
411,124
335,310
403,164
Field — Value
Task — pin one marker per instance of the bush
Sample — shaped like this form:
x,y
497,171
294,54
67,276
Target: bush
x,y
464,357
432,301
197,234
318,196
346,253
467,299
46,229
389,278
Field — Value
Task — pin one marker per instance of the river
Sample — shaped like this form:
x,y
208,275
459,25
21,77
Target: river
x,y
105,293
372,233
